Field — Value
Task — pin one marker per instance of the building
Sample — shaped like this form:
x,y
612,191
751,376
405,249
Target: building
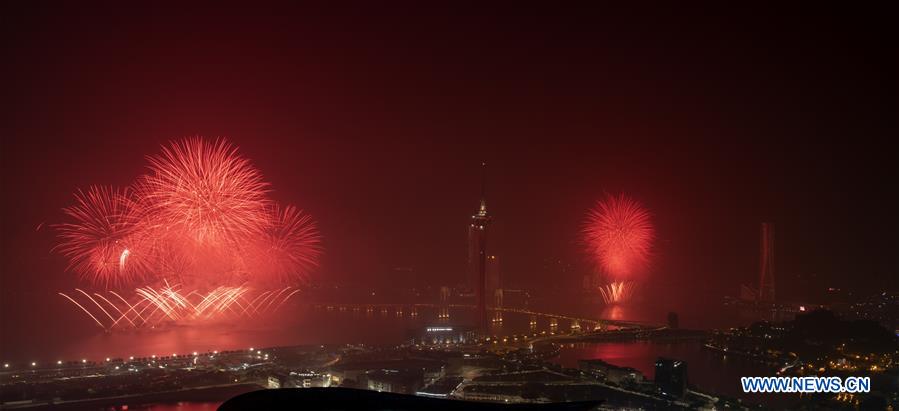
x,y
445,334
610,372
671,377
277,380
766,263
308,379
765,291
396,381
477,258
400,375
273,382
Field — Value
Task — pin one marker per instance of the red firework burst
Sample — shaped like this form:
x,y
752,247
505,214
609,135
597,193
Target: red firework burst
x,y
104,243
206,190
201,217
619,235
289,249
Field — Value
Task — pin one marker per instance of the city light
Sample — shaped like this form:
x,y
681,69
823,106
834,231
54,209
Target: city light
x,y
438,329
635,160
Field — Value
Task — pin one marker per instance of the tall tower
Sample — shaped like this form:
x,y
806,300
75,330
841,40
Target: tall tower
x,y
477,255
766,263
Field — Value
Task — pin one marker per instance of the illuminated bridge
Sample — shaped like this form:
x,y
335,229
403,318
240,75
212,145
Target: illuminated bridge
x,y
401,310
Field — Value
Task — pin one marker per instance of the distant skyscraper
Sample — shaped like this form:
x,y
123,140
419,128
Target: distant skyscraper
x,y
766,263
477,256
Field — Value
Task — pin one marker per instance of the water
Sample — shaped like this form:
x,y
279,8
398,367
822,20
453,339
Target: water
x,y
178,406
301,325
709,371
304,325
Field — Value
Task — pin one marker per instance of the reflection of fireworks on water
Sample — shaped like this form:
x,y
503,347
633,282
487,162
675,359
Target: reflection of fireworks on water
x,y
618,292
151,306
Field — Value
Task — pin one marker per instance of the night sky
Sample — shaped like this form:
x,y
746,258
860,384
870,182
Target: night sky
x,y
376,120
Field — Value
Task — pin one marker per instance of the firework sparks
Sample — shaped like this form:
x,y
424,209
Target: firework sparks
x,y
289,248
97,242
618,292
206,190
155,306
619,234
201,216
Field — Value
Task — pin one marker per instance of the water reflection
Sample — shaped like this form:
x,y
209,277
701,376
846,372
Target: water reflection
x,y
705,369
613,312
177,406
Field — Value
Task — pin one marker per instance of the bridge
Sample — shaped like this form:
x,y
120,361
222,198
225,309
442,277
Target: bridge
x,y
400,310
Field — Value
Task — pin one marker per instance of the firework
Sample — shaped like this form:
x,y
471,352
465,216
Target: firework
x,y
618,292
202,218
104,242
206,190
288,249
618,235
150,307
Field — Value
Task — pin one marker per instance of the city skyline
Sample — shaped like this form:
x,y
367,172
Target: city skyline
x,y
786,163
491,203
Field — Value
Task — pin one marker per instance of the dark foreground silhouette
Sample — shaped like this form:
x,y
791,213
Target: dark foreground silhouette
x,y
353,399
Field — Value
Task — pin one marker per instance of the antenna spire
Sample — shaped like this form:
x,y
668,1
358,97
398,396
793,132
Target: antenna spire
x,y
483,210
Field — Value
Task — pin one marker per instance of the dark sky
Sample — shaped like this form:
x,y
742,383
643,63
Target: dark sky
x,y
375,121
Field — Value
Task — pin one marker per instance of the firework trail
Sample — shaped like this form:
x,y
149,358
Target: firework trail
x,y
155,306
202,217
618,292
